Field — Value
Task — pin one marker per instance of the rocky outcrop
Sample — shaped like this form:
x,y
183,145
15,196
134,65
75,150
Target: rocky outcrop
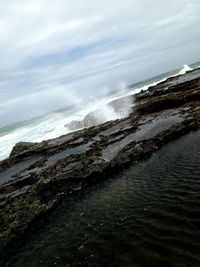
x,y
20,147
35,178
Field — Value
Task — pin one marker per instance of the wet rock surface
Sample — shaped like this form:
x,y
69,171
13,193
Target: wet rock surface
x,y
36,177
20,147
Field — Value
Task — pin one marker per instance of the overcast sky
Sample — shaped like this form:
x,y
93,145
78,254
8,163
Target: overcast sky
x,y
54,52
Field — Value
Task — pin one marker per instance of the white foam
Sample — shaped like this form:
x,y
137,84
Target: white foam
x,y
53,125
184,69
146,87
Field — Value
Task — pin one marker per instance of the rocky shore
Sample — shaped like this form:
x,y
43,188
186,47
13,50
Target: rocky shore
x,y
37,177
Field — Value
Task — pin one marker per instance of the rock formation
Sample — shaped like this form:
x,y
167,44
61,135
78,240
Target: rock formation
x,y
36,177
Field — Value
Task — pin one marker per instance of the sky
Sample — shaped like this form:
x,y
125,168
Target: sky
x,y
56,53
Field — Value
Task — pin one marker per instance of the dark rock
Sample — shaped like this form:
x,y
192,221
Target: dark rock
x,y
39,176
20,147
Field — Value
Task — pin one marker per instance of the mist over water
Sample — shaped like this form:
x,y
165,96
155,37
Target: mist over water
x,y
54,124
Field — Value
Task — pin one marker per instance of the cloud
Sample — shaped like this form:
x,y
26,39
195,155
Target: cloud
x,y
86,46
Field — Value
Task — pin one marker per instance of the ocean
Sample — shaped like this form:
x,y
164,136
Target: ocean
x,y
54,124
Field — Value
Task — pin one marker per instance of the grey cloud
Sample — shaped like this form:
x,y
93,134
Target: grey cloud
x,y
60,46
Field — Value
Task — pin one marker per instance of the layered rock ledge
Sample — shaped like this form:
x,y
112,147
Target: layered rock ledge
x,y
36,177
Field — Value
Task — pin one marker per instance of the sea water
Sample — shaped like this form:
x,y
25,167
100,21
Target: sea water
x,y
54,124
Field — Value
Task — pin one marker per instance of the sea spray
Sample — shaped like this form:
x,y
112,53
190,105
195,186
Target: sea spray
x,y
112,109
53,125
185,69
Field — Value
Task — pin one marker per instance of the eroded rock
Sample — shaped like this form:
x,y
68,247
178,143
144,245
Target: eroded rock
x,y
20,147
38,176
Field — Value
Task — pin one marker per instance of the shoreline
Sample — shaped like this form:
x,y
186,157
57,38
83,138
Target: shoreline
x,y
53,170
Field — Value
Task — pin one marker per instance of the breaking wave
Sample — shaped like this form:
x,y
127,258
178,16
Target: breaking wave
x,y
185,69
56,123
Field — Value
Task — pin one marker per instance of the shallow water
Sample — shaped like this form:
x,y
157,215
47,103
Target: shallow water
x,y
149,215
6,175
67,152
146,131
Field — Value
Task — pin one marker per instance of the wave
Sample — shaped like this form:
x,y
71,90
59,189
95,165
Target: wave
x,y
53,125
184,69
